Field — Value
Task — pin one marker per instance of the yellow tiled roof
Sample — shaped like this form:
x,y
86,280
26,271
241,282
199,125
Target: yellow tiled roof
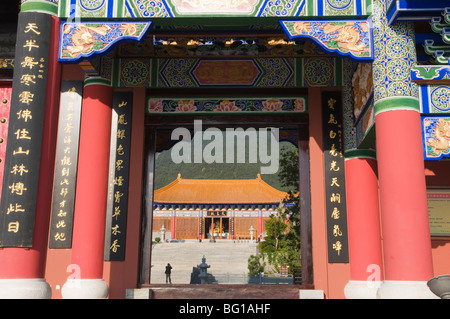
x,y
218,191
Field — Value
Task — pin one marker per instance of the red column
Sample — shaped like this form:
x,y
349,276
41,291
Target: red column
x,y
27,266
260,223
363,220
91,193
174,224
403,201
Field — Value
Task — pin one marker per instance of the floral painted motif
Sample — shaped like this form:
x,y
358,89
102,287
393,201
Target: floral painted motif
x,y
300,105
339,4
92,5
227,106
440,98
395,56
135,73
318,72
186,106
272,106
155,106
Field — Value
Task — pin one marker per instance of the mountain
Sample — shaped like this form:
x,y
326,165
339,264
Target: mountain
x,y
166,170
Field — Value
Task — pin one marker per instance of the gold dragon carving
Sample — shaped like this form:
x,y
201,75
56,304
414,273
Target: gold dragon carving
x,y
442,137
83,37
347,35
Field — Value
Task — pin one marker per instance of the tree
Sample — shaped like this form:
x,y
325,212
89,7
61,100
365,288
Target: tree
x,y
288,173
275,229
282,244
255,265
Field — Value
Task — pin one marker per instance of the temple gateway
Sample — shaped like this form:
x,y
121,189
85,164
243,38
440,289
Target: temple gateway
x,y
91,90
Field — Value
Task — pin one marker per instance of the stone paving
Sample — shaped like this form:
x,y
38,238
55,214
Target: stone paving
x,y
227,259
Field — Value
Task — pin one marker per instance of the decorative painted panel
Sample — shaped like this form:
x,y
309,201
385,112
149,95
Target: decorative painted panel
x,y
164,105
189,8
429,73
82,40
394,56
349,67
436,137
203,46
261,72
226,72
321,72
435,98
400,10
347,38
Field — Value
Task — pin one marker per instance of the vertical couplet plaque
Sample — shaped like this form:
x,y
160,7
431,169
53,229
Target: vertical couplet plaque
x,y
64,185
116,219
23,153
333,150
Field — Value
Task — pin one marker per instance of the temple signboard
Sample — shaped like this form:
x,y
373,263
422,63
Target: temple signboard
x,y
22,159
438,211
61,224
334,168
116,218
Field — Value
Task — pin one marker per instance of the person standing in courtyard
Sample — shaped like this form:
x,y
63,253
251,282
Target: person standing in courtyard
x,y
168,272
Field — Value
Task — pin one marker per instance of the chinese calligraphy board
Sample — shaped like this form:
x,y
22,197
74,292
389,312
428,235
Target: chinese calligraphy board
x,y
213,213
333,149
61,225
116,222
22,160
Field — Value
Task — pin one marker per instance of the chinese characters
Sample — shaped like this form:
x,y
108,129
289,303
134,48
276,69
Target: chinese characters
x,y
66,165
334,178
19,193
118,179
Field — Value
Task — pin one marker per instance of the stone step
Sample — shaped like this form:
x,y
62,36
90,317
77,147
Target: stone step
x,y
224,291
228,260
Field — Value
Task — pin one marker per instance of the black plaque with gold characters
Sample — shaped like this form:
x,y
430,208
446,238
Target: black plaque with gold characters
x,y
64,183
216,213
23,152
116,220
333,150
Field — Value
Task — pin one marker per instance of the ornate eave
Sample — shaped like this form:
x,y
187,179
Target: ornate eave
x,y
441,51
236,9
414,10
434,91
84,40
347,38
